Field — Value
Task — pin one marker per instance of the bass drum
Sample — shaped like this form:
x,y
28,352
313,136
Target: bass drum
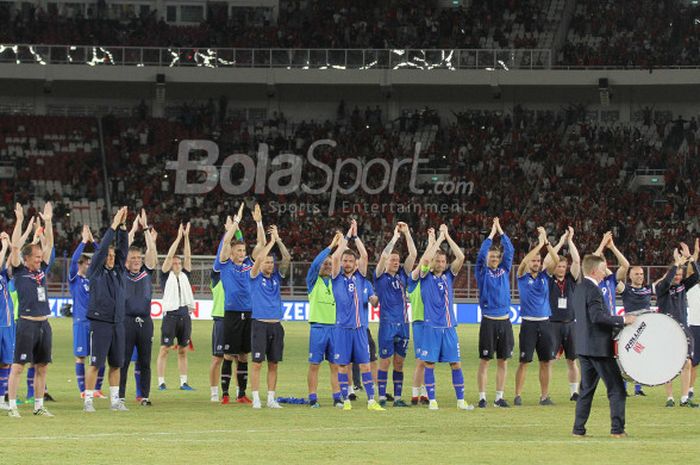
x,y
652,350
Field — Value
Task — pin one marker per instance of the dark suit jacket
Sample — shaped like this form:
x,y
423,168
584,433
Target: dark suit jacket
x,y
594,324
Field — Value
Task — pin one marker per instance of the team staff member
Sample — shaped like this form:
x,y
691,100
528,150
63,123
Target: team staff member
x,y
594,346
106,311
391,280
561,292
235,265
178,303
138,325
535,330
322,319
217,338
33,332
496,331
267,332
672,300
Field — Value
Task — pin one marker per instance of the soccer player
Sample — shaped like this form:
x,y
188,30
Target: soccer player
x,y
496,332
418,391
561,291
350,344
267,332
235,265
178,303
33,331
79,285
322,319
391,280
217,337
672,300
636,296
7,328
107,273
138,325
440,342
535,329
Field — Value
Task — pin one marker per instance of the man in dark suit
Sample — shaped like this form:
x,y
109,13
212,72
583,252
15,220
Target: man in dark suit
x,y
594,346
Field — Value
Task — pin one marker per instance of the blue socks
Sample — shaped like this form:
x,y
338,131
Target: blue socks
x,y
4,377
343,381
80,375
397,378
382,377
336,397
137,379
458,383
368,384
100,377
313,397
430,382
30,383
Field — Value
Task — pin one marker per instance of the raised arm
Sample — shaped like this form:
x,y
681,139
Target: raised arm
x,y
548,259
424,263
458,261
662,286
286,257
231,228
168,262
622,262
342,247
187,251
255,271
315,268
98,259
134,229
151,258
259,231
47,244
412,251
18,238
73,269
5,241
508,253
381,263
575,257
363,263
535,251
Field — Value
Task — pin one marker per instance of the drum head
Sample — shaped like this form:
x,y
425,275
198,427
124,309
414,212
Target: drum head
x,y
653,350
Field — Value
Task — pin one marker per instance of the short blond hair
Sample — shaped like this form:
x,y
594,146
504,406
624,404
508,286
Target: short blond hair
x,y
591,263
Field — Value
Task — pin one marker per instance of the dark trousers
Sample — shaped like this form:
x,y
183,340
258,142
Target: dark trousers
x,y
138,333
592,370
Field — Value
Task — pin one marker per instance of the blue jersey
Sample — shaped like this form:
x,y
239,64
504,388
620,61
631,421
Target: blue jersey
x,y
393,301
534,295
6,309
349,294
79,287
609,287
636,298
438,299
494,285
236,281
266,297
367,292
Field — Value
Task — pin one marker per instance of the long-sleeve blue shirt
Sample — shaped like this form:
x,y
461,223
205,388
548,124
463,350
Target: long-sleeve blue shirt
x,y
315,268
79,286
107,298
672,298
494,285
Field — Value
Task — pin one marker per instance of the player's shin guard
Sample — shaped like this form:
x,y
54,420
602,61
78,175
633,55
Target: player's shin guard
x,y
430,382
100,378
30,383
137,379
4,378
382,378
458,383
80,375
343,382
242,377
226,371
369,384
397,378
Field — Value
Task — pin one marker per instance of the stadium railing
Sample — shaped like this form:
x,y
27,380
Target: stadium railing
x,y
295,286
339,59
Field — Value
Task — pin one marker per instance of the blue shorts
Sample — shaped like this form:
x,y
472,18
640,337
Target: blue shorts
x,y
417,336
393,338
135,355
81,338
350,345
107,342
320,343
217,337
439,345
7,345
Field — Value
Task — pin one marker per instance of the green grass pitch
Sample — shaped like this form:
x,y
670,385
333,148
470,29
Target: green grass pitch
x,y
186,428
